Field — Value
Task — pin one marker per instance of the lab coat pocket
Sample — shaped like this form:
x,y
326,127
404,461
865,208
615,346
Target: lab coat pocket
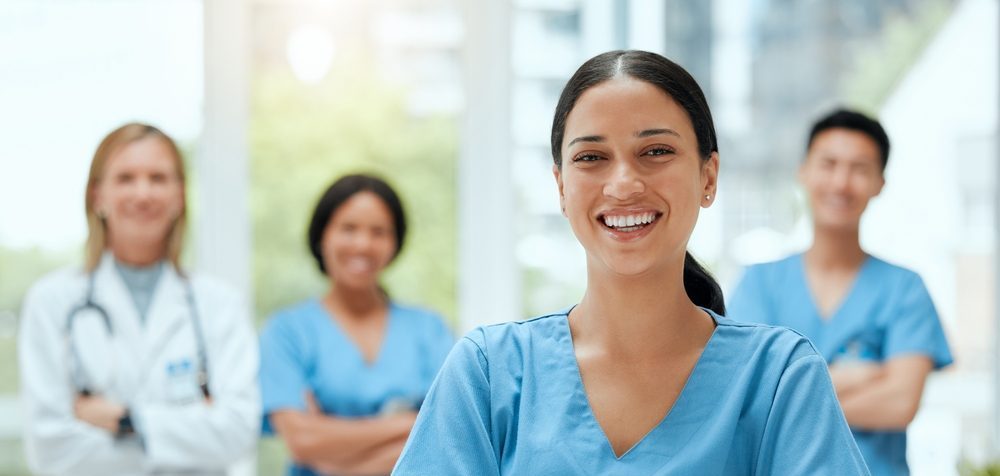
x,y
181,383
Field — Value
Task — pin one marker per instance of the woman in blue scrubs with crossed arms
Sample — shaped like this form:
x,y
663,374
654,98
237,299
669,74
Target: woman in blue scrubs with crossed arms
x,y
342,376
873,321
644,375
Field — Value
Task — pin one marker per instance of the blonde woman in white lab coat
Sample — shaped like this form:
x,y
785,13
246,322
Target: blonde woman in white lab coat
x,y
131,365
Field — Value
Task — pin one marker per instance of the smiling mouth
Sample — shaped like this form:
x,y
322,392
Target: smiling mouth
x,y
629,223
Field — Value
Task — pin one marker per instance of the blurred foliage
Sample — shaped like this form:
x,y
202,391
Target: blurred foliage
x,y
881,66
965,468
19,269
12,462
271,456
303,137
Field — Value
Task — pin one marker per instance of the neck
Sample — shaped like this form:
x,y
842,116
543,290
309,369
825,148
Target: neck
x,y
836,248
639,315
352,302
139,256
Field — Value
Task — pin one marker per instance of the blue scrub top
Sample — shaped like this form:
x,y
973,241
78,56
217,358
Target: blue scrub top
x,y
510,400
302,348
887,313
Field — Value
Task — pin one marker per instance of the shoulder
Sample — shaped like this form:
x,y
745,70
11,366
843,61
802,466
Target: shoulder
x,y
298,311
63,287
767,276
299,316
56,281
546,325
764,343
773,268
511,344
893,273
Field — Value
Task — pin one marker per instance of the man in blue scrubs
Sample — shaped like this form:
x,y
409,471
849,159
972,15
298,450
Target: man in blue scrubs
x,y
873,322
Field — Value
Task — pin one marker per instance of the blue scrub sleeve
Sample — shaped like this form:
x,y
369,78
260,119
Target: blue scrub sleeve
x,y
916,329
452,433
748,302
806,432
283,379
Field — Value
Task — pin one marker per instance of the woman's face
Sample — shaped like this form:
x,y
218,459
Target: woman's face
x,y
632,181
841,174
140,193
359,242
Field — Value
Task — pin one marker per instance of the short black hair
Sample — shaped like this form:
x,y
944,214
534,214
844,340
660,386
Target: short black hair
x,y
341,191
855,121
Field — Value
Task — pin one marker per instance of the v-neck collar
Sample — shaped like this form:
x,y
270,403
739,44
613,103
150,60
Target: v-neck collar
x,y
331,319
682,419
844,303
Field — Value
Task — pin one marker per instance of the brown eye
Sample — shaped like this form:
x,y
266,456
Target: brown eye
x,y
658,152
587,157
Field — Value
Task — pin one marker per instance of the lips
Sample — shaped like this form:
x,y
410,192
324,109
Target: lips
x,y
359,265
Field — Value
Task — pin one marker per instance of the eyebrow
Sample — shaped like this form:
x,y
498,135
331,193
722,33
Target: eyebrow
x,y
640,134
656,132
586,139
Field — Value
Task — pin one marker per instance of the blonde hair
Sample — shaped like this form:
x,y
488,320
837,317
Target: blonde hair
x,y
97,228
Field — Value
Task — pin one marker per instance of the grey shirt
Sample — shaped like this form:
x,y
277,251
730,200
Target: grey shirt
x,y
141,283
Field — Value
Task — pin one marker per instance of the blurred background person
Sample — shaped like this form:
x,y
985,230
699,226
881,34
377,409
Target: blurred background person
x,y
343,375
874,322
131,365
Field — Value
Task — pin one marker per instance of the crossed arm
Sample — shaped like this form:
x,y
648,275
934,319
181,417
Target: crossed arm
x,y
881,396
329,444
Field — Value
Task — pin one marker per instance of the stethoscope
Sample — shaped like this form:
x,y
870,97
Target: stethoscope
x,y
77,372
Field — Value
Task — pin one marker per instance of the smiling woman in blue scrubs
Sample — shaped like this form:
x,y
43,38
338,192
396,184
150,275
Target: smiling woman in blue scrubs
x,y
342,376
644,375
874,322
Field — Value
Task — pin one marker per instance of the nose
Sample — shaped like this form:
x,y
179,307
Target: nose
x,y
363,241
143,188
841,178
624,181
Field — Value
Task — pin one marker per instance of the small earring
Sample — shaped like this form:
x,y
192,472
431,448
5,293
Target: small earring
x,y
708,197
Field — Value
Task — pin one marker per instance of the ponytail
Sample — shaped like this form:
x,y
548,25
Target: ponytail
x,y
701,287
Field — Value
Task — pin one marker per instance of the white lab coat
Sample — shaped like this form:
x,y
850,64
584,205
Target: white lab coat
x,y
181,433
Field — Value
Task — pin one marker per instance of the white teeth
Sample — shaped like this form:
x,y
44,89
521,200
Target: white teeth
x,y
629,221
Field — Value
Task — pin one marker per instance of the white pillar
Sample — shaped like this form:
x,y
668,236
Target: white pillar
x,y
597,23
647,25
488,279
222,241
222,227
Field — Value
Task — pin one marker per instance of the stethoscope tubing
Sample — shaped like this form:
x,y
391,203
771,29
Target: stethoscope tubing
x,y
77,371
